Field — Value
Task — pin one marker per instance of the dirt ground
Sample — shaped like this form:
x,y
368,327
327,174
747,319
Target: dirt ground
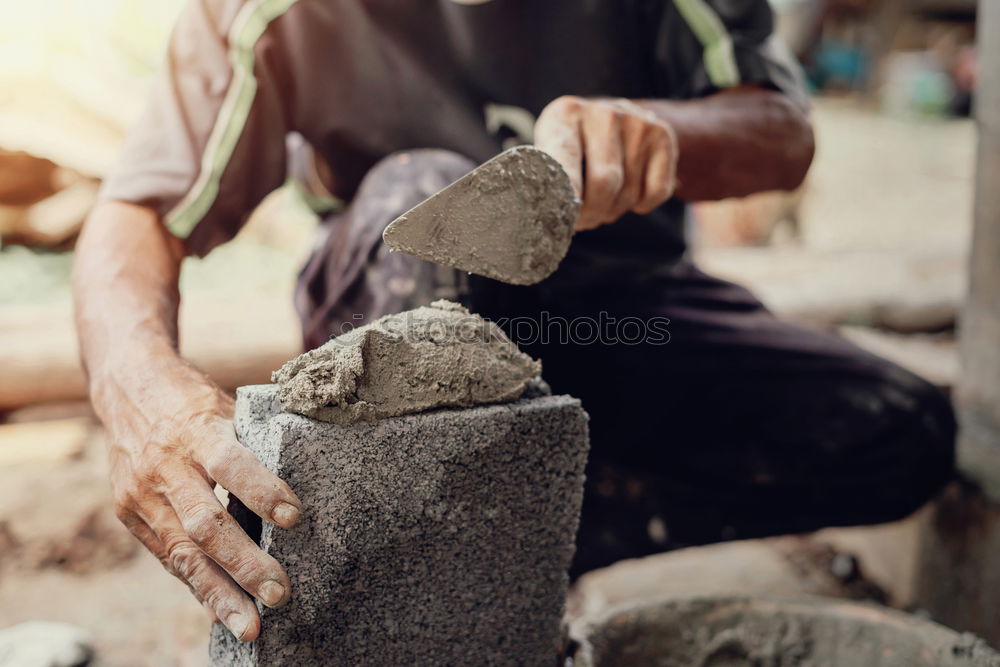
x,y
64,556
879,185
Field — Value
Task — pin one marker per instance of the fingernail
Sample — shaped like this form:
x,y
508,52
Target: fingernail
x,y
238,624
271,592
285,514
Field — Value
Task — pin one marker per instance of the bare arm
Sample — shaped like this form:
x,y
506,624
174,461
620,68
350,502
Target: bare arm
x,y
634,155
170,430
737,142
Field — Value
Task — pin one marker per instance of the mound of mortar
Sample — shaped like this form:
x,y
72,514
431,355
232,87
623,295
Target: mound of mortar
x,y
735,631
434,356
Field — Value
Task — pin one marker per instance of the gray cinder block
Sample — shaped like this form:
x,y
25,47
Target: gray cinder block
x,y
440,538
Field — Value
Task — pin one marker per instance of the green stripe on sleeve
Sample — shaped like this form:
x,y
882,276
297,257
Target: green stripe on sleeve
x,y
717,46
248,27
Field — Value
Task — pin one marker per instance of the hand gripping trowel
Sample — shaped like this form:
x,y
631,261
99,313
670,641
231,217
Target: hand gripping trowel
x,y
510,219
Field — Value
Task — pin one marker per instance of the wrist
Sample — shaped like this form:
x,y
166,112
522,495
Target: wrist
x,y
133,388
121,364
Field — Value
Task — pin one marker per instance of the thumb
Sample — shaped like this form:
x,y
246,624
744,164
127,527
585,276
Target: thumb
x,y
557,132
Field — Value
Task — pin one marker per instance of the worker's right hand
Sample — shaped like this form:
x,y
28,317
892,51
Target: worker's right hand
x,y
171,441
619,156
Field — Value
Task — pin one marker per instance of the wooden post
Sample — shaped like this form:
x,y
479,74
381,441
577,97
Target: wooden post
x,y
979,390
959,579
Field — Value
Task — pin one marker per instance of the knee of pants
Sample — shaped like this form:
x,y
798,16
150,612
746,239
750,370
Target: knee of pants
x,y
400,181
920,450
930,412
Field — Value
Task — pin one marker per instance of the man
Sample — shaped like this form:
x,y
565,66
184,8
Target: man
x,y
740,426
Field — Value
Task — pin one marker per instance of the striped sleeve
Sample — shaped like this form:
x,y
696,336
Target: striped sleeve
x,y
709,45
211,143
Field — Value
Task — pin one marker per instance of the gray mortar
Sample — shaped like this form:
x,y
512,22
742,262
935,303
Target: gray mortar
x,y
510,219
762,632
433,356
440,538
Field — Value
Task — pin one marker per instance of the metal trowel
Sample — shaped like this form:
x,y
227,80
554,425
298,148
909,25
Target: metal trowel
x,y
509,219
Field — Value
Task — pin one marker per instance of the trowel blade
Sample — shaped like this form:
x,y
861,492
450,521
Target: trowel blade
x,y
510,219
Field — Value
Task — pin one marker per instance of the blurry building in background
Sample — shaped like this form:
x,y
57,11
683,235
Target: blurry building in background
x,y
912,56
73,77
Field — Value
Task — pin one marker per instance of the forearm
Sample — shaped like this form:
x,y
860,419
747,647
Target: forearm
x,y
171,437
737,142
126,295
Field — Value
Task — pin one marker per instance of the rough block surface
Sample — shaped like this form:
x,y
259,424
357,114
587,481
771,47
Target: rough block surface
x,y
440,538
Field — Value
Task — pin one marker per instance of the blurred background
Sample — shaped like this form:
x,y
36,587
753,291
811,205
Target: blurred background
x,y
874,245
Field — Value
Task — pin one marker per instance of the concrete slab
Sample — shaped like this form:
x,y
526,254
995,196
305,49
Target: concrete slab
x,y
436,538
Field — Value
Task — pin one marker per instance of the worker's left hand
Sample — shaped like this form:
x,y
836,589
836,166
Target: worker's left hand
x,y
619,156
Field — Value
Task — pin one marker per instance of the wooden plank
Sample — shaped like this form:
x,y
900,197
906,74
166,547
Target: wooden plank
x,y
236,340
56,440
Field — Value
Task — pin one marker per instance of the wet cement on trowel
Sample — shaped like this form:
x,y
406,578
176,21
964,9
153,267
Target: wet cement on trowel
x,y
434,356
510,219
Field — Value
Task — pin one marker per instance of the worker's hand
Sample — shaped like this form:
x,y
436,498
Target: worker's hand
x,y
619,156
170,444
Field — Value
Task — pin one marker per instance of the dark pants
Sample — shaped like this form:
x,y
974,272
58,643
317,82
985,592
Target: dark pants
x,y
740,426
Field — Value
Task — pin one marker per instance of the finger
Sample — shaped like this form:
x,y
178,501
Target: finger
x,y
660,179
604,173
636,133
557,132
238,471
210,584
141,530
218,535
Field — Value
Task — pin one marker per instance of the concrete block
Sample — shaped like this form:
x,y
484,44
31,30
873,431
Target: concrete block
x,y
428,539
